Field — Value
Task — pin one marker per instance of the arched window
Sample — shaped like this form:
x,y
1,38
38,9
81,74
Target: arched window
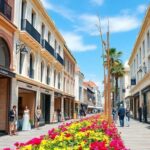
x,y
31,68
48,75
54,78
4,54
59,77
42,70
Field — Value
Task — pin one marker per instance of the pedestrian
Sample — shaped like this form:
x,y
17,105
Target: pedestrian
x,y
140,113
121,114
38,114
128,117
114,114
12,121
26,120
145,113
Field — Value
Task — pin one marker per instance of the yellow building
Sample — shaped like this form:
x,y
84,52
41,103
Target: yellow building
x,y
139,63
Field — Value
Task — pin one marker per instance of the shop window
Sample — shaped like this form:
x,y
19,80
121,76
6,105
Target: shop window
x,y
4,54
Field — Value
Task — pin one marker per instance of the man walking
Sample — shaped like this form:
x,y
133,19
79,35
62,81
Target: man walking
x,y
140,113
121,114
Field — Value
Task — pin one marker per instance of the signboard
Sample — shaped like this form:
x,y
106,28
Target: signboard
x,y
6,72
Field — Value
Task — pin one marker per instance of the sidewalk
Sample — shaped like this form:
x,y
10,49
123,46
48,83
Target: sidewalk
x,y
137,136
24,136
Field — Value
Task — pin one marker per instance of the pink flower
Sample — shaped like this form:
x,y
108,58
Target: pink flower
x,y
6,149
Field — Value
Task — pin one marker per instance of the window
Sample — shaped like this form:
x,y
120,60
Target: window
x,y
148,64
33,17
55,45
48,75
49,37
148,41
42,70
31,71
24,4
54,78
59,49
143,49
43,31
140,56
59,78
137,61
4,54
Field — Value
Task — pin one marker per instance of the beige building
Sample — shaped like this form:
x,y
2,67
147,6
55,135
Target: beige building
x,y
69,84
139,63
39,53
7,30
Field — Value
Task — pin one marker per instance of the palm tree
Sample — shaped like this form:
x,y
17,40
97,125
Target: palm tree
x,y
117,71
115,62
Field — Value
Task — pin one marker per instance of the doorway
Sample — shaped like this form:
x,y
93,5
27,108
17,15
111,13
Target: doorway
x,y
4,103
45,107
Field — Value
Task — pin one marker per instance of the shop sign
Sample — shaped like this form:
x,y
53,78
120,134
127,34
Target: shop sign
x,y
6,72
29,86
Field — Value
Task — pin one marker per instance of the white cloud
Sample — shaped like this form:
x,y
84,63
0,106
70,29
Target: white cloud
x,y
76,43
97,2
120,23
142,8
65,12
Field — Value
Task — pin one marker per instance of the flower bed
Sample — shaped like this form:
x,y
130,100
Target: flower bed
x,y
92,133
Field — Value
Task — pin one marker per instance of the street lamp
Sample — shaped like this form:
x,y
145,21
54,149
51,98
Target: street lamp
x,y
21,47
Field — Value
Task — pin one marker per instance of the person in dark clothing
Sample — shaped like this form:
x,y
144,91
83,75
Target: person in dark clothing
x,y
121,114
12,121
145,113
140,113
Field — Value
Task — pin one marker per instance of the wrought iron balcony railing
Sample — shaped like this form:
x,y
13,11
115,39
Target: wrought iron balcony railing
x,y
5,9
27,26
48,47
59,58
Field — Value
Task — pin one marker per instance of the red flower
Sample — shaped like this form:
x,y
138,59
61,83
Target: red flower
x,y
98,146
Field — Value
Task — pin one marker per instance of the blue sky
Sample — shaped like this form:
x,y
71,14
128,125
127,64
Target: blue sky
x,y
77,19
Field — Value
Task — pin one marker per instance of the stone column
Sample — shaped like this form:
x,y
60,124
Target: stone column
x,y
62,108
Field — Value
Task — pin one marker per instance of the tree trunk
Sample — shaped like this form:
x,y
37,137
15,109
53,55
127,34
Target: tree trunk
x,y
116,90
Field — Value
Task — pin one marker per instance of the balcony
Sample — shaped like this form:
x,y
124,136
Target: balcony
x,y
5,9
27,26
48,47
58,57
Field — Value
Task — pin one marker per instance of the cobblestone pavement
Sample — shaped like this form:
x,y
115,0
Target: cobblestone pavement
x,y
136,136
24,136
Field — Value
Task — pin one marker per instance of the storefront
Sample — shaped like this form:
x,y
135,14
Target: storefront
x,y
136,104
5,88
26,97
45,105
146,104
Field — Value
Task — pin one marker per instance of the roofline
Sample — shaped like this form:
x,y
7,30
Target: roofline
x,y
140,34
48,19
65,46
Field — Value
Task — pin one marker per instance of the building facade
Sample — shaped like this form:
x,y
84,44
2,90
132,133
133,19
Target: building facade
x,y
69,84
124,86
79,97
39,71
139,63
7,31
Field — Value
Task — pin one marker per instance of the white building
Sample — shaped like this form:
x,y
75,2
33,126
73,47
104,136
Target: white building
x,y
124,86
139,63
